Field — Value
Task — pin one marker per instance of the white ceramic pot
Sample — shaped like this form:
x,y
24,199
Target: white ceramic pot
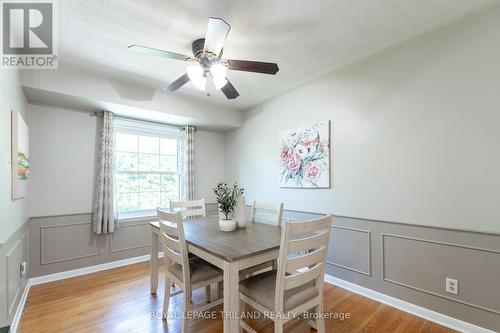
x,y
227,225
241,213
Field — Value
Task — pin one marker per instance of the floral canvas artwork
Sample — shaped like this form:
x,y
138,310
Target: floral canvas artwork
x,y
305,156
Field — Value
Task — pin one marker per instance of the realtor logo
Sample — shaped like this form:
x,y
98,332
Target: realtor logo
x,y
28,31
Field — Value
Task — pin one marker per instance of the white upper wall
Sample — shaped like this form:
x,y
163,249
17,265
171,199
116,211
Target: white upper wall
x,y
209,164
415,133
12,212
62,146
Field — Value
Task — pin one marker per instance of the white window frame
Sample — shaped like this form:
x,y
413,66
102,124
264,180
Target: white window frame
x,y
138,127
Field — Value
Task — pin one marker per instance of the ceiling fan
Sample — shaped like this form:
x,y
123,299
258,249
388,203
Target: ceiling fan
x,y
207,61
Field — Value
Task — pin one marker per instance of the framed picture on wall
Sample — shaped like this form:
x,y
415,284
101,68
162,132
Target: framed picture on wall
x,y
20,156
305,156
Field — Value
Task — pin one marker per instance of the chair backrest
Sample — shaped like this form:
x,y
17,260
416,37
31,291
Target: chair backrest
x,y
189,208
174,241
269,213
307,242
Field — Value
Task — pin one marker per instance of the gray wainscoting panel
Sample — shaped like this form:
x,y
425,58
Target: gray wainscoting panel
x,y
16,255
350,248
130,237
12,254
411,263
63,242
423,265
66,242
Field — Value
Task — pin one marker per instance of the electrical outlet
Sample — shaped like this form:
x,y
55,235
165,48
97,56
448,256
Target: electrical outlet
x,y
23,269
451,286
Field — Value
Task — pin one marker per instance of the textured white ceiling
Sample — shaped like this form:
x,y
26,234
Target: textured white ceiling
x,y
305,38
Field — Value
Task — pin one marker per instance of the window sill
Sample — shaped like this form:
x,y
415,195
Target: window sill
x,y
140,216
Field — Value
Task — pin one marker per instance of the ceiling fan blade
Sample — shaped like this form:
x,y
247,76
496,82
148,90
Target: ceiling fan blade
x,y
158,53
217,31
178,83
253,66
230,91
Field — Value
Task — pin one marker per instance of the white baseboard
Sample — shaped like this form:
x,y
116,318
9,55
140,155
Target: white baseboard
x,y
433,316
416,310
20,308
88,270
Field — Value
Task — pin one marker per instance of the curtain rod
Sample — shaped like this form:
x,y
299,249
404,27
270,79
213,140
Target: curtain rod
x,y
99,113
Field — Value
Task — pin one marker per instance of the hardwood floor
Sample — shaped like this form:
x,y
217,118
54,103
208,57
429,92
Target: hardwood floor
x,y
118,300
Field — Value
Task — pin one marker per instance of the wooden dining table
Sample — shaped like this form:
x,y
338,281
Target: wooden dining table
x,y
232,252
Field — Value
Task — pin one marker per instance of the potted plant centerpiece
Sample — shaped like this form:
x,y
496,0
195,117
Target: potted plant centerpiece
x,y
227,198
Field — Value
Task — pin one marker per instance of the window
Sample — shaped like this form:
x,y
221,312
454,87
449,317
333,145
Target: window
x,y
146,167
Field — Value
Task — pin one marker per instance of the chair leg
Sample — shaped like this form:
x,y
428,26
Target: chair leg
x,y
220,289
241,314
278,326
320,322
187,307
243,307
208,294
166,297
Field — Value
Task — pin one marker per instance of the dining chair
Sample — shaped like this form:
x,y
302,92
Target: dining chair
x,y
188,274
268,213
297,286
188,209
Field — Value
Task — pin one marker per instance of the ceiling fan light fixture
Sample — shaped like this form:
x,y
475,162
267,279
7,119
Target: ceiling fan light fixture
x,y
219,83
218,72
196,75
208,62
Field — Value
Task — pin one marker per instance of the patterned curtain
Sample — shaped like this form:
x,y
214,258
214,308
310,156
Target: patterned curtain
x,y
104,217
187,162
